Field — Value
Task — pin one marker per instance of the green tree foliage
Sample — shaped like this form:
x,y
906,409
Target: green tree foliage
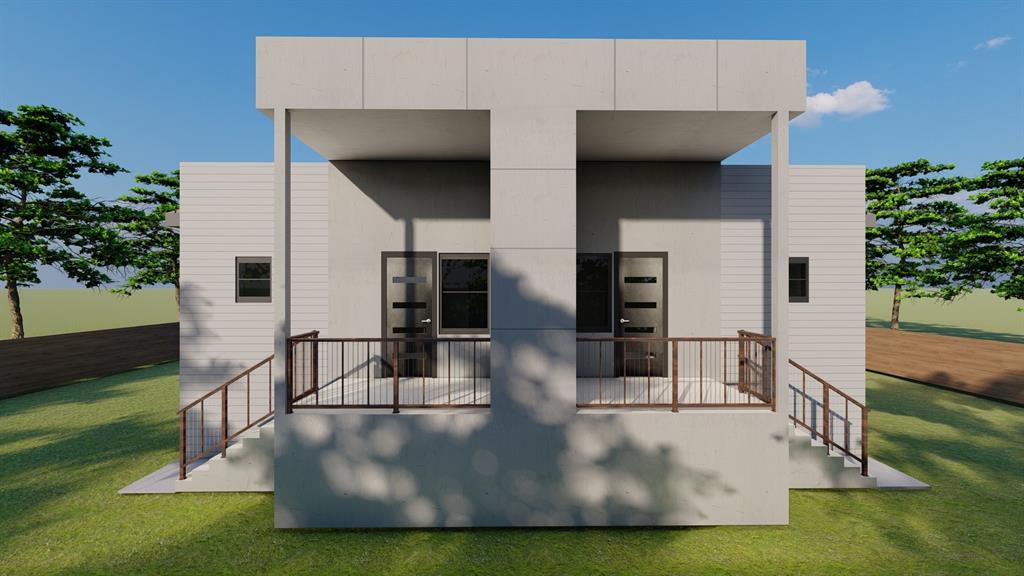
x,y
44,219
153,246
915,213
987,249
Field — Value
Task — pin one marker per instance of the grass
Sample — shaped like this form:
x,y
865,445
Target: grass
x,y
65,452
59,311
980,314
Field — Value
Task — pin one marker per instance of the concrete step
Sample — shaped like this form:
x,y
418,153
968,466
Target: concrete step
x,y
812,465
248,466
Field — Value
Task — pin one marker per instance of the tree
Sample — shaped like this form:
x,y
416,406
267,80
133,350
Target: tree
x,y
153,246
915,218
988,247
44,219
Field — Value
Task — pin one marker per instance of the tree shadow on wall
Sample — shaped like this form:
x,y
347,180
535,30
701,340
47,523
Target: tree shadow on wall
x,y
530,461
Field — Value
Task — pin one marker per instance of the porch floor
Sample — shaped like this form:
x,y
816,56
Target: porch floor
x,y
639,390
441,391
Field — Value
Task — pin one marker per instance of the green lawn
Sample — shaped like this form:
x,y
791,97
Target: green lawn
x,y
980,314
65,452
58,311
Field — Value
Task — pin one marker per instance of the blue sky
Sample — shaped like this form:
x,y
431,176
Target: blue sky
x,y
174,81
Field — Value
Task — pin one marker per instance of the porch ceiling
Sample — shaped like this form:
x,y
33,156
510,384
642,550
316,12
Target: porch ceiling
x,y
395,134
667,136
465,134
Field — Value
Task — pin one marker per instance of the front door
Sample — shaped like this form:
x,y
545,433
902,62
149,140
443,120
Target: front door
x,y
641,297
408,297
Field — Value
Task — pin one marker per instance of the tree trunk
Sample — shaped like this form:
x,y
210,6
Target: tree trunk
x,y
897,297
14,303
177,299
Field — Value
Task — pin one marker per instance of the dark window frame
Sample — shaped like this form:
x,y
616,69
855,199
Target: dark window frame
x,y
239,299
440,291
609,291
806,263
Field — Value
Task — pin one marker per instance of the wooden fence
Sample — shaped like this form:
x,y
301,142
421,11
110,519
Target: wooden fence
x,y
44,362
983,367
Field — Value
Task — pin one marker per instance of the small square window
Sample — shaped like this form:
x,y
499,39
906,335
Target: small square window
x,y
464,293
799,280
252,279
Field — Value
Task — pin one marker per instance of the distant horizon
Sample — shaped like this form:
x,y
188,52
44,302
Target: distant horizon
x,y
171,82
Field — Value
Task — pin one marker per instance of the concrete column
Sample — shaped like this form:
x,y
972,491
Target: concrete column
x,y
780,253
281,266
533,255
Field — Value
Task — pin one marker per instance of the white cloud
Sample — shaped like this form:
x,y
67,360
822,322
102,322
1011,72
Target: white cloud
x,y
857,99
958,65
993,43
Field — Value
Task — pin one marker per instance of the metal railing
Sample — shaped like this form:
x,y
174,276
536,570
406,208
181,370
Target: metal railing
x,y
823,416
388,373
210,423
691,372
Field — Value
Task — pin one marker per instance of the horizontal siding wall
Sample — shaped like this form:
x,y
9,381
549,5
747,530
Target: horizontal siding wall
x,y
227,210
826,225
826,334
746,208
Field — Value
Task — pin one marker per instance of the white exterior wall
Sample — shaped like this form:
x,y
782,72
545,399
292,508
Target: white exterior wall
x,y
745,229
827,333
670,207
826,224
227,210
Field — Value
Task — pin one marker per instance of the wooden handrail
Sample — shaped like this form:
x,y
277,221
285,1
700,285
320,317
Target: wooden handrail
x,y
234,379
826,434
856,402
185,457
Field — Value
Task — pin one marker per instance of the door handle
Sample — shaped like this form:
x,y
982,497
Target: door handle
x,y
427,321
623,321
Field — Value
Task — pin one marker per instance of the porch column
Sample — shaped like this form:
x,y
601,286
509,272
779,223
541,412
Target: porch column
x,y
533,273
281,266
780,253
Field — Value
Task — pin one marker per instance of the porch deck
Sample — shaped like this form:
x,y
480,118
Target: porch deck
x,y
362,392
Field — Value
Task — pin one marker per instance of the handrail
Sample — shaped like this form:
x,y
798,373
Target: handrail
x,y
383,372
709,372
856,402
234,379
826,433
674,338
225,435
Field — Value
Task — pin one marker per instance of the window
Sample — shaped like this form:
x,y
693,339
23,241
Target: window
x,y
252,279
593,292
799,280
464,296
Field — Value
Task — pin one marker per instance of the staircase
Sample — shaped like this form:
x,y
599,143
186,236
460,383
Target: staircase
x,y
823,452
812,465
226,436
247,466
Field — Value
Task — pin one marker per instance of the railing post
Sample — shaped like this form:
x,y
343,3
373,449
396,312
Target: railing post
x,y
742,363
864,440
775,374
183,443
224,422
827,416
394,371
675,376
316,366
290,375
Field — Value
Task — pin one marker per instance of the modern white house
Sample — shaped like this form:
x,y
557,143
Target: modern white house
x,y
524,290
